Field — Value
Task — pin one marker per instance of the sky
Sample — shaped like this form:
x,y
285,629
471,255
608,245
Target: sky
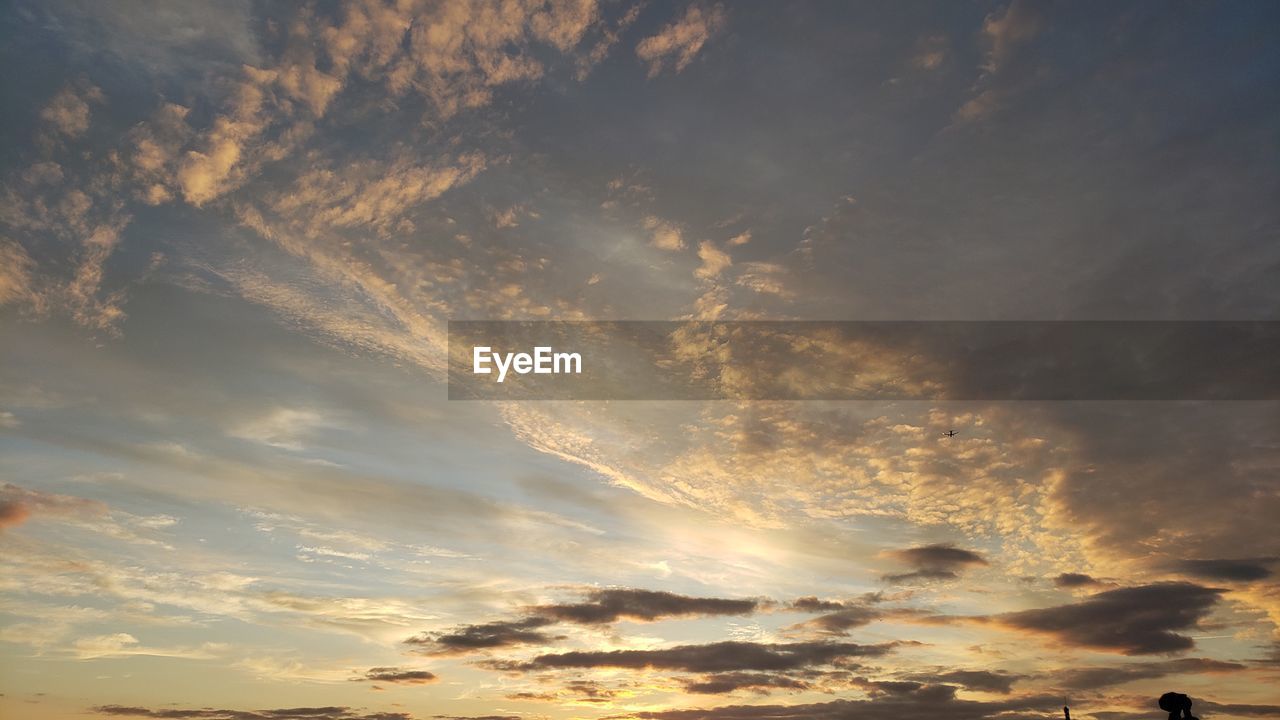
x,y
233,487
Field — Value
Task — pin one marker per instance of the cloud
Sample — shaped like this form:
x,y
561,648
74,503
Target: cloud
x,y
18,504
13,513
813,604
934,562
1247,710
23,502
373,195
977,680
714,260
298,713
912,701
68,112
226,154
1135,621
1006,30
1093,678
841,621
573,691
678,43
454,56
930,52
766,278
664,235
601,607
725,656
126,645
1228,569
606,606
841,469
284,428
76,221
170,40
723,683
1073,580
16,282
487,636
401,676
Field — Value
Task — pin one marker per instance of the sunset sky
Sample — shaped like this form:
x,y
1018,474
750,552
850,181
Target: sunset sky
x,y
233,487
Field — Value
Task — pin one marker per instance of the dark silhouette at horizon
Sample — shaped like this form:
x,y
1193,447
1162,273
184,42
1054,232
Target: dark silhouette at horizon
x,y
1177,705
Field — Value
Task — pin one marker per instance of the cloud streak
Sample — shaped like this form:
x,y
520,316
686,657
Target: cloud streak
x,y
726,656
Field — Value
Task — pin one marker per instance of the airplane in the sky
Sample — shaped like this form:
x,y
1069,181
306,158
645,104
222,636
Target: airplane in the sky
x,y
950,433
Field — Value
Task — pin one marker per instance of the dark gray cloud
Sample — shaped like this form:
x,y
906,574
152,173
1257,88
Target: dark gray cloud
x,y
907,688
1200,468
722,683
498,634
1134,621
939,683
813,604
717,657
1092,678
979,680
579,690
1228,569
1073,580
397,675
300,713
606,606
908,701
601,607
938,561
1239,709
841,621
